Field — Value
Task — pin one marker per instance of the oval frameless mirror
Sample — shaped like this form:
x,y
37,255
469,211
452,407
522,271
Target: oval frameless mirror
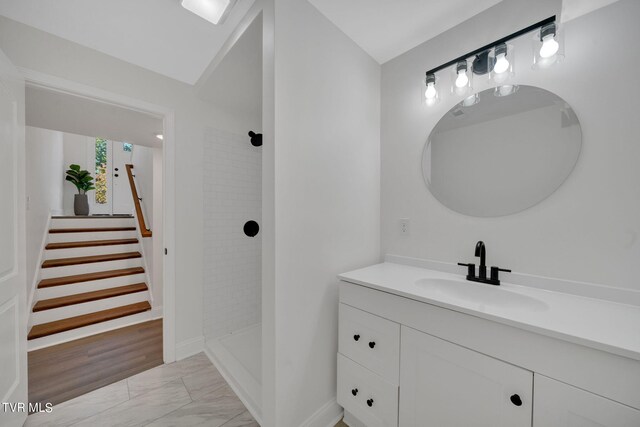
x,y
494,155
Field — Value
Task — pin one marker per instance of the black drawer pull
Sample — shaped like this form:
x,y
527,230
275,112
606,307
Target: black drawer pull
x,y
515,399
354,391
370,402
372,344
356,337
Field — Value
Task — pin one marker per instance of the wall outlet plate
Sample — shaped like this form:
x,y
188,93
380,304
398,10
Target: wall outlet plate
x,y
405,228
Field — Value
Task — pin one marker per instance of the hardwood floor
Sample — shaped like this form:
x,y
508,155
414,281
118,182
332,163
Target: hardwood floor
x,y
62,372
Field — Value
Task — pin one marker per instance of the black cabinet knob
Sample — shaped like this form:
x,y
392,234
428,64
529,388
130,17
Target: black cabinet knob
x,y
372,344
370,402
116,175
354,391
356,337
515,399
116,169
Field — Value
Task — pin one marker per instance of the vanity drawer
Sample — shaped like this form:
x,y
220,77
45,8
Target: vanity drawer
x,y
367,396
371,341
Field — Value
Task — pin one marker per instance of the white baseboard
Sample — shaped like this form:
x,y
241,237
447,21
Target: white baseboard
x,y
189,347
327,416
240,381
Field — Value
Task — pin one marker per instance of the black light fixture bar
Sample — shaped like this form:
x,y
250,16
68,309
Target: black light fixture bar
x,y
518,33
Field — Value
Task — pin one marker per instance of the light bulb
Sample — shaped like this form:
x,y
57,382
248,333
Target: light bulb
x,y
462,79
502,64
549,46
506,90
470,100
431,92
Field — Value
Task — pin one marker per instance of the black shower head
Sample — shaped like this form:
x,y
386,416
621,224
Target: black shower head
x,y
256,138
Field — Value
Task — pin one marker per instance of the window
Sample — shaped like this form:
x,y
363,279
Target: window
x,y
101,171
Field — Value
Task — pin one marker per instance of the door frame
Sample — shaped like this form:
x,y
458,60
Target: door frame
x,y
167,115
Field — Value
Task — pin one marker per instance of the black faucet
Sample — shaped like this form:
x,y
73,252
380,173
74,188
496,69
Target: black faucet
x,y
481,251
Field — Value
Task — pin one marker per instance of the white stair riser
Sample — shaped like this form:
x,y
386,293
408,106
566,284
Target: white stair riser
x,y
89,330
98,235
90,251
91,222
72,270
52,315
94,285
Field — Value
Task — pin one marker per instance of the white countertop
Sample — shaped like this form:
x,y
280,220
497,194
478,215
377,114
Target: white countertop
x,y
601,324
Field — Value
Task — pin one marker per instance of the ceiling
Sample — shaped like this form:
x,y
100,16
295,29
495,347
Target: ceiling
x,y
59,111
388,28
158,35
236,82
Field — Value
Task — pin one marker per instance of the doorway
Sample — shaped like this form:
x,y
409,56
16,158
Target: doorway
x,y
112,195
106,158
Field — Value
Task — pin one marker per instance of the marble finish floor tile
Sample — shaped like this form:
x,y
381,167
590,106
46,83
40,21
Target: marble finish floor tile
x,y
203,382
85,406
212,410
143,409
187,393
155,378
243,420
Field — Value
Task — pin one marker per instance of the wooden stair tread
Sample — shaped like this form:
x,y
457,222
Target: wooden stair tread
x,y
67,280
62,262
50,328
89,230
65,301
92,216
90,243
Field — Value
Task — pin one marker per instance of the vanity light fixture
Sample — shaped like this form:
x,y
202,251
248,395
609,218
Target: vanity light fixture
x,y
431,93
496,58
461,70
505,90
214,11
550,45
470,100
502,63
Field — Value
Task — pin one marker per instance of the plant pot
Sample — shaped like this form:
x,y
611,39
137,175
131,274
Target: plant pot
x,y
81,205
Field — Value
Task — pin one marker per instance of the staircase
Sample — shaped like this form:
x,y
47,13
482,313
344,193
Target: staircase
x,y
92,279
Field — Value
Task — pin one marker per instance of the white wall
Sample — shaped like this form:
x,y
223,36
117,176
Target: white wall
x,y
588,229
44,180
326,183
76,152
37,50
232,262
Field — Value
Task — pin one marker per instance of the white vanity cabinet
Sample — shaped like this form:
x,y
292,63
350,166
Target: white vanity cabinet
x,y
412,363
368,367
561,405
443,384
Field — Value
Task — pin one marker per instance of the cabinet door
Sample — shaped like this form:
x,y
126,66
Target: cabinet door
x,y
445,385
562,405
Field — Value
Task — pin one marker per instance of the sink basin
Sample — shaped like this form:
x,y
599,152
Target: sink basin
x,y
480,294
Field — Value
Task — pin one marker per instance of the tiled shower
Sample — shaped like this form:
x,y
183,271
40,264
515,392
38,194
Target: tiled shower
x,y
232,260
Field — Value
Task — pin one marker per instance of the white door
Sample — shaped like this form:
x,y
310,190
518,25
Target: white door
x,y
445,385
112,194
122,199
13,287
561,405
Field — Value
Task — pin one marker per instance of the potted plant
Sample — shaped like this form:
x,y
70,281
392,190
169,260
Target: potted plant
x,y
83,181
